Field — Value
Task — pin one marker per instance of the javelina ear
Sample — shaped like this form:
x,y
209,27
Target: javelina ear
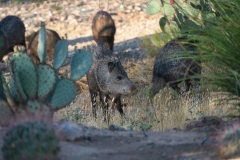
x,y
111,66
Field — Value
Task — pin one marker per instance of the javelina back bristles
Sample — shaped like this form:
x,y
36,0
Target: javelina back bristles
x,y
12,32
103,29
108,78
52,38
171,69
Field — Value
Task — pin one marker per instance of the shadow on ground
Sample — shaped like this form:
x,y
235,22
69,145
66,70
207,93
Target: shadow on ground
x,y
128,50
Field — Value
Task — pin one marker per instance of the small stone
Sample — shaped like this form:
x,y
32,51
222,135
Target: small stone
x,y
127,11
129,7
137,8
70,131
150,142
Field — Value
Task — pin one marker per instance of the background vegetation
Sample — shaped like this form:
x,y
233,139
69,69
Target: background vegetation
x,y
218,45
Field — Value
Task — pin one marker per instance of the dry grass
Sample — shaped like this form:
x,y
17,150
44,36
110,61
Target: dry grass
x,y
164,111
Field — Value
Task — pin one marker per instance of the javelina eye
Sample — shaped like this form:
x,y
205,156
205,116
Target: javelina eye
x,y
119,78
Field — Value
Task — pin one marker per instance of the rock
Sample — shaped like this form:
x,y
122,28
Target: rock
x,y
70,131
150,142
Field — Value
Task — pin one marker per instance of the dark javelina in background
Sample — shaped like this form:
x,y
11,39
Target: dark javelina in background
x,y
12,32
52,38
108,78
168,68
103,29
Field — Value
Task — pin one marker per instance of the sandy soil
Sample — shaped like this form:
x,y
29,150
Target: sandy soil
x,y
93,144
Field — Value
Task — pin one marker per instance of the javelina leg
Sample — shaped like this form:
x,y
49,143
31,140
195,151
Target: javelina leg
x,y
188,85
104,101
117,102
93,99
175,87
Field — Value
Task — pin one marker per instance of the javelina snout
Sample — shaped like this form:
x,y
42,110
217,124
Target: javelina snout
x,y
115,80
108,78
12,32
171,69
103,29
52,38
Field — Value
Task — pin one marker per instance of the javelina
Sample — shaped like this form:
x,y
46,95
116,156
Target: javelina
x,y
12,32
108,78
52,38
171,69
103,29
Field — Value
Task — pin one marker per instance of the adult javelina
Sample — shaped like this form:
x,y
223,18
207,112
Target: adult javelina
x,y
52,38
169,68
108,78
12,32
103,29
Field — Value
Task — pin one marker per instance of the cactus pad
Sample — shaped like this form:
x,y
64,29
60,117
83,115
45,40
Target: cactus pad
x,y
60,53
19,89
63,94
190,11
23,66
153,7
46,80
13,89
35,106
81,63
168,10
42,43
5,113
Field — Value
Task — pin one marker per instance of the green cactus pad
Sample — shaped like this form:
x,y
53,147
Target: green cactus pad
x,y
49,97
35,106
64,93
23,65
13,89
42,43
19,89
168,11
153,7
190,11
60,53
80,64
46,80
5,112
162,23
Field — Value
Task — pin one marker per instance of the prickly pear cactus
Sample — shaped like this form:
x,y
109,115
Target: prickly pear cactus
x,y
42,43
32,140
181,16
37,87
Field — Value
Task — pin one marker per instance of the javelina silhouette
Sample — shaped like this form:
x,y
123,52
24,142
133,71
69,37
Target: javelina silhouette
x,y
12,32
108,78
171,69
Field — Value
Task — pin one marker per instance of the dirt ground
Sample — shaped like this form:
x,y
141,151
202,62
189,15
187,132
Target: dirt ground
x,y
95,144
